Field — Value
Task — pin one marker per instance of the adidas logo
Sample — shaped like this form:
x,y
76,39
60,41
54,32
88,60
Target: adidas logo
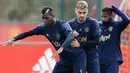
x,y
45,63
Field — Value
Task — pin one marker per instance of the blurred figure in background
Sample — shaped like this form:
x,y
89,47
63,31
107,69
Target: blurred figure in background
x,y
109,46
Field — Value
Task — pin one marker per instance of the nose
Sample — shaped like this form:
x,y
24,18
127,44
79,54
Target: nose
x,y
82,15
103,18
44,20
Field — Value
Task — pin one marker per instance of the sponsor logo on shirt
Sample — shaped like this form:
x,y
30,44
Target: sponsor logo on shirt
x,y
104,38
82,39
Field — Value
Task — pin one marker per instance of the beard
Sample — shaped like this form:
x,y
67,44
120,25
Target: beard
x,y
50,24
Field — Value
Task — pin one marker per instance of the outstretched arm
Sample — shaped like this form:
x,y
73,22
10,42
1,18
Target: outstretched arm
x,y
34,31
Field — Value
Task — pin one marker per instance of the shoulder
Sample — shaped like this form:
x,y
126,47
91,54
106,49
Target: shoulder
x,y
72,21
60,21
100,22
91,20
40,26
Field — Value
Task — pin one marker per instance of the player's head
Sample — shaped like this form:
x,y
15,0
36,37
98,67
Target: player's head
x,y
48,15
106,14
81,11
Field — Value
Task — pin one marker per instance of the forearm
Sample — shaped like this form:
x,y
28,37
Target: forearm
x,y
68,40
22,36
90,44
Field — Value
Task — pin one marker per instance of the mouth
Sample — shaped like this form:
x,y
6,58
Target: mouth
x,y
104,20
81,17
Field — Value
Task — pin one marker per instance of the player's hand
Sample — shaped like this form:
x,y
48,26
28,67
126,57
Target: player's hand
x,y
75,43
9,42
113,7
75,33
57,53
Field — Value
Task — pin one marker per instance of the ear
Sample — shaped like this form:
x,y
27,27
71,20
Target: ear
x,y
75,10
53,14
87,11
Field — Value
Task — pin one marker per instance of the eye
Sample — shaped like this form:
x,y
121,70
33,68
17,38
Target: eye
x,y
45,18
80,12
84,12
103,16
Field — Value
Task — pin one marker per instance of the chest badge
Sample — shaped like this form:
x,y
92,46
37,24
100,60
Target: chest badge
x,y
110,28
57,36
86,29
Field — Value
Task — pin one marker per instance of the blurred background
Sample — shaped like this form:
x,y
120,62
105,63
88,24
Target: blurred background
x,y
32,55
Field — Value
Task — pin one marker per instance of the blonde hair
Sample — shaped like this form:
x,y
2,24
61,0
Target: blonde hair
x,y
82,4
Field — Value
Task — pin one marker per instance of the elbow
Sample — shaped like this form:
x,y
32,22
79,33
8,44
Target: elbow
x,y
127,21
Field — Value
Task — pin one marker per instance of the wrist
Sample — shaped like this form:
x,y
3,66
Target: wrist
x,y
13,39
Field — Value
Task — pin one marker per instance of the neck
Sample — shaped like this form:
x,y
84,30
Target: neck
x,y
109,22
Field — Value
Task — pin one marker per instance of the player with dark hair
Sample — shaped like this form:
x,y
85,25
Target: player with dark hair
x,y
109,46
88,36
60,34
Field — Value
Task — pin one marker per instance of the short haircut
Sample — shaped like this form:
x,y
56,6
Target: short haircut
x,y
108,10
82,4
47,9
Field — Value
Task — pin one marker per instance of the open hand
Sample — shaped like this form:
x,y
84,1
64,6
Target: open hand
x,y
9,42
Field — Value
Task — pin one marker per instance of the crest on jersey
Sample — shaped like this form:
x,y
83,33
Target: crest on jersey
x,y
86,29
110,28
57,36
